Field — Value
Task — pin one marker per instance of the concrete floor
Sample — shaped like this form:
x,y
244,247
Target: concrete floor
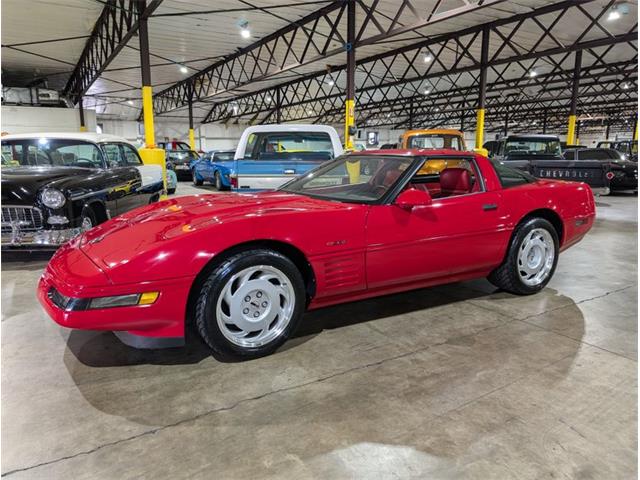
x,y
458,381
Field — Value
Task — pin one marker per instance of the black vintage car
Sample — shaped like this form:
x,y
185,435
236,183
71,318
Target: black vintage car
x,y
541,156
54,186
621,172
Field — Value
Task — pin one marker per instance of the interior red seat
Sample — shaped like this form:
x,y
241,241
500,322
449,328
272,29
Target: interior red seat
x,y
390,177
455,181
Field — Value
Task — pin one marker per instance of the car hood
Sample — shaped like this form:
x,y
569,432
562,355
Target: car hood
x,y
140,241
20,185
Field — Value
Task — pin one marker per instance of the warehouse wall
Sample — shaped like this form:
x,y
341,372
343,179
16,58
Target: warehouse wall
x,y
44,119
208,137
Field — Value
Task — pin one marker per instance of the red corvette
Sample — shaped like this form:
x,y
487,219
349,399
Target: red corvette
x,y
245,267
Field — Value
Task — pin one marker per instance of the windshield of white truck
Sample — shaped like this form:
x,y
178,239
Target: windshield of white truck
x,y
281,146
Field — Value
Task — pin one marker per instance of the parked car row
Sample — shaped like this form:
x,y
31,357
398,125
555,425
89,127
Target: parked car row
x,y
604,169
55,186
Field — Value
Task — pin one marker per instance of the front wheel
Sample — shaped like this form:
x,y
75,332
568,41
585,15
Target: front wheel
x,y
250,304
194,177
88,219
531,259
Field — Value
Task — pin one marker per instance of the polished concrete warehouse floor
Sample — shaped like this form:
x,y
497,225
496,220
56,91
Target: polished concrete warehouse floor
x,y
458,381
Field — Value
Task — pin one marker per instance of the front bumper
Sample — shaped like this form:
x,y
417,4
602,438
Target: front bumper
x,y
39,239
163,318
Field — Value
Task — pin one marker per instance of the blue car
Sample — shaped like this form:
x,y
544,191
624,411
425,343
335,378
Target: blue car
x,y
214,167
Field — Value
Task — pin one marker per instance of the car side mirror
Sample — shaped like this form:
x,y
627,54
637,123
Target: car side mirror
x,y
413,198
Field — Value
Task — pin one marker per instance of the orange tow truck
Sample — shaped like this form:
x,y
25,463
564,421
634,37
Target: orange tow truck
x,y
434,139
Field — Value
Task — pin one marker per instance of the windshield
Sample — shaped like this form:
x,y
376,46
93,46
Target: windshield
x,y
435,141
289,146
532,146
351,178
223,156
181,155
51,152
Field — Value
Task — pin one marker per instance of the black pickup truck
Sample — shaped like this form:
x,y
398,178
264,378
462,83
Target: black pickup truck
x,y
541,156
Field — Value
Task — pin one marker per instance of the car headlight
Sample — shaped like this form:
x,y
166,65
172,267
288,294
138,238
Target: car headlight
x,y
52,198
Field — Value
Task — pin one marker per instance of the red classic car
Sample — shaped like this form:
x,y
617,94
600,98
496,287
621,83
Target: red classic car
x,y
244,267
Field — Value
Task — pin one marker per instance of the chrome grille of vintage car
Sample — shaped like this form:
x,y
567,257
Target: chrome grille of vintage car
x,y
23,219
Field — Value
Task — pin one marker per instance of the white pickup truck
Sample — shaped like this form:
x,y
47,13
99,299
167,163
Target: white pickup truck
x,y
271,155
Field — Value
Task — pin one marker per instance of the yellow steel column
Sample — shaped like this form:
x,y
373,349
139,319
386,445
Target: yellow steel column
x,y
83,126
147,115
349,104
573,108
349,123
479,128
149,153
482,94
571,131
192,137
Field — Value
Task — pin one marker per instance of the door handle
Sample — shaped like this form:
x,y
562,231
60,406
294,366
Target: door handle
x,y
289,171
489,206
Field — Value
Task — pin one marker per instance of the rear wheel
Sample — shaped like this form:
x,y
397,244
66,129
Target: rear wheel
x,y
250,305
196,181
531,259
218,181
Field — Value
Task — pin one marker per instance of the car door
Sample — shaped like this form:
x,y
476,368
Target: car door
x,y
125,180
207,168
461,231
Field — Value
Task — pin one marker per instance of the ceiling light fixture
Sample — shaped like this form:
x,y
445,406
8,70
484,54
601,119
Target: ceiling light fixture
x,y
183,69
244,29
625,86
617,11
427,57
533,73
427,91
331,83
130,102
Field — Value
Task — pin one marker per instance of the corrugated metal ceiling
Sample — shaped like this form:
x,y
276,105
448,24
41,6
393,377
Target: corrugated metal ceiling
x,y
198,40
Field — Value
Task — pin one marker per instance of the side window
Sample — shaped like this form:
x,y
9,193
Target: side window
x,y
251,146
510,177
131,156
447,177
112,154
570,154
455,143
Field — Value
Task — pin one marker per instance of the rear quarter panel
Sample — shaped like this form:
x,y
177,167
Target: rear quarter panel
x,y
573,202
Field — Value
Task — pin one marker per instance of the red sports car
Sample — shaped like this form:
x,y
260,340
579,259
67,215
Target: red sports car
x,y
245,267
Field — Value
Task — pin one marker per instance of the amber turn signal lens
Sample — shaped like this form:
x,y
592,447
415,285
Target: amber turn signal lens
x,y
148,298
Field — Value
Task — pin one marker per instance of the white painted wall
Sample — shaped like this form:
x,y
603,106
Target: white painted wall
x,y
21,119
208,137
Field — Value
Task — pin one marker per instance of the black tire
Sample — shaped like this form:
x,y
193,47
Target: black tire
x,y
506,276
218,181
194,178
88,215
205,308
171,191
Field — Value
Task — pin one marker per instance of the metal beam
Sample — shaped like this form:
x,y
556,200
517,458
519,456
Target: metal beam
x,y
400,73
116,25
322,37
